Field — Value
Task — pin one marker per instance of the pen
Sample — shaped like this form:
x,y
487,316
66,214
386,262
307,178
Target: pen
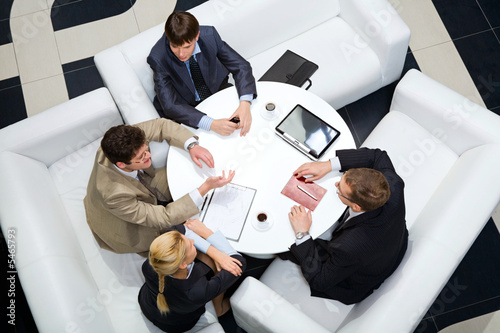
x,y
204,202
309,194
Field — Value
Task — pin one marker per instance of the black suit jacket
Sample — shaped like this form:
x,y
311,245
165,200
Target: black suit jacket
x,y
366,249
175,92
185,298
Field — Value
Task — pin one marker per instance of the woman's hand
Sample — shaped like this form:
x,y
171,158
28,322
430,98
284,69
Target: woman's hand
x,y
224,261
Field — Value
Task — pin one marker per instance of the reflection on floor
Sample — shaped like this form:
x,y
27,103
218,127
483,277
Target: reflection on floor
x,y
51,43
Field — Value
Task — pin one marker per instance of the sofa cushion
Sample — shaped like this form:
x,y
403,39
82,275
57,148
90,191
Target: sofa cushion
x,y
285,278
421,159
117,277
342,74
251,27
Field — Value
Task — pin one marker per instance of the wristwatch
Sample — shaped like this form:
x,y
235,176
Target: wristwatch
x,y
301,234
192,144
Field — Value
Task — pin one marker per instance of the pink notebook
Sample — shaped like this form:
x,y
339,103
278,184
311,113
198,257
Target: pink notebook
x,y
307,194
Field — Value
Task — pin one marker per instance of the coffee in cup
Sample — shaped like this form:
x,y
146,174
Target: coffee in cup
x,y
270,107
262,217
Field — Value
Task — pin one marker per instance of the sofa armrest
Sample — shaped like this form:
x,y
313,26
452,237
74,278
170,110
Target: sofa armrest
x,y
257,308
126,87
379,24
63,129
49,261
450,117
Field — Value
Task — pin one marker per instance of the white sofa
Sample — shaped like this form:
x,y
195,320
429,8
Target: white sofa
x,y
447,149
71,285
359,45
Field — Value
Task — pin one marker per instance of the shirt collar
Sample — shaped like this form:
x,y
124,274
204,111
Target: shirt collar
x,y
195,52
132,174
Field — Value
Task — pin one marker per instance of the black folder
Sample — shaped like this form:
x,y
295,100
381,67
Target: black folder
x,y
291,68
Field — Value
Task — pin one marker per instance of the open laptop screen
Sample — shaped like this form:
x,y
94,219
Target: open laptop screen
x,y
307,132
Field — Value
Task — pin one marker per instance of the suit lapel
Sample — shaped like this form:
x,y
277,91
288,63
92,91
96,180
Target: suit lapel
x,y
204,64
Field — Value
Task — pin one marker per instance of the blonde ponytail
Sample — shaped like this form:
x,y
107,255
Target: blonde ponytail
x,y
166,253
161,302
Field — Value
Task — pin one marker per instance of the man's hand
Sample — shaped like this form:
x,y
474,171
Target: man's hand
x,y
315,169
243,112
199,228
223,126
224,261
215,182
199,153
300,219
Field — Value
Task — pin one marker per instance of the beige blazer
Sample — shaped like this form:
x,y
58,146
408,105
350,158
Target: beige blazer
x,y
121,212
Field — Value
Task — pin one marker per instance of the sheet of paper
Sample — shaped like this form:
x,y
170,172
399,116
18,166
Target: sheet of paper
x,y
228,209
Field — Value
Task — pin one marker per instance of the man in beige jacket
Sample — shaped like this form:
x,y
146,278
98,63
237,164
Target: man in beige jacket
x,y
124,215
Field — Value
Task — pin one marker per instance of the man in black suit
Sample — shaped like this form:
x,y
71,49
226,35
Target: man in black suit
x,y
369,240
179,88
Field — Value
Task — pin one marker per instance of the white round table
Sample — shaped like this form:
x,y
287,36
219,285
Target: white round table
x,y
262,161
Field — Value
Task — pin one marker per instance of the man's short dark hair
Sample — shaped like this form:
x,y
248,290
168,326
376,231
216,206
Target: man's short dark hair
x,y
181,28
369,188
121,143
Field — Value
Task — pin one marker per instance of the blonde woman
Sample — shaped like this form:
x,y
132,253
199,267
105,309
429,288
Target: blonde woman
x,y
180,280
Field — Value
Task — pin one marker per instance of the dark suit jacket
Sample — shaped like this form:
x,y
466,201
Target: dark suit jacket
x,y
175,93
185,298
366,249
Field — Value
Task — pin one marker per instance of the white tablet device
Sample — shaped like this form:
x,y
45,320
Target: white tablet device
x,y
307,132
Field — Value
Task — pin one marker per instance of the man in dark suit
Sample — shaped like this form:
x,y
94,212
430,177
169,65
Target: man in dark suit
x,y
177,85
369,240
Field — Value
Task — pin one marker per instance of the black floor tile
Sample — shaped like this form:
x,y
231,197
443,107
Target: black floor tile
x,y
427,325
183,5
5,35
81,77
345,116
367,112
496,110
9,83
67,13
363,115
491,9
5,7
446,319
476,277
480,54
79,64
13,108
461,18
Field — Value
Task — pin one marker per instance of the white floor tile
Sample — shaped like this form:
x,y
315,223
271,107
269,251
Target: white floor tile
x,y
35,46
8,68
150,13
24,7
443,63
86,40
43,94
488,323
426,26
